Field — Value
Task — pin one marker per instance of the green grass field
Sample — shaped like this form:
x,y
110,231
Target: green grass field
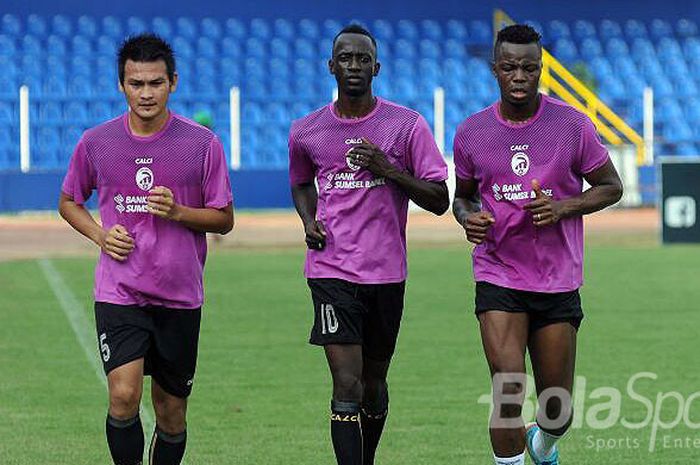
x,y
262,393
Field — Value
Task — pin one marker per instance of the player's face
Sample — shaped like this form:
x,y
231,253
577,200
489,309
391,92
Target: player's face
x,y
517,69
354,64
147,88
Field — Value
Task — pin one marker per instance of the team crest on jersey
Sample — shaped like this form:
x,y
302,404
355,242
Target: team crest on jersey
x,y
350,164
520,163
144,178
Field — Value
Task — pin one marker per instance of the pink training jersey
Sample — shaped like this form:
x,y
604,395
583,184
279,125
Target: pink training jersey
x,y
165,267
557,147
364,215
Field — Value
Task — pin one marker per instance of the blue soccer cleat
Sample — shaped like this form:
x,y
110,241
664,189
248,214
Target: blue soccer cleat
x,y
552,459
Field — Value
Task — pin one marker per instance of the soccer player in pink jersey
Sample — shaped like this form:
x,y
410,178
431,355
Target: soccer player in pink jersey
x,y
162,184
369,157
520,167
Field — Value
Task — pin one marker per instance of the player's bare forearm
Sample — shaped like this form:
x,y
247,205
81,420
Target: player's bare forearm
x,y
428,195
466,199
305,199
210,220
606,189
79,218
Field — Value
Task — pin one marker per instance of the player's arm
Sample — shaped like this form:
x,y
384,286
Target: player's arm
x,y
305,199
466,208
161,202
605,190
429,195
116,242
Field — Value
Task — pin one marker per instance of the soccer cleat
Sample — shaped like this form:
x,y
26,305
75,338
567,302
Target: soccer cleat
x,y
553,457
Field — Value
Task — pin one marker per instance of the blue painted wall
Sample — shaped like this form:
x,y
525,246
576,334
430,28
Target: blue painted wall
x,y
366,9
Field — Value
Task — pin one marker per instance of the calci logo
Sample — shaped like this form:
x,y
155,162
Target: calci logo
x,y
520,161
144,178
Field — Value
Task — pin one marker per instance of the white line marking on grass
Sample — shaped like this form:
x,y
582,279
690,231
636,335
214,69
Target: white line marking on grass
x,y
82,328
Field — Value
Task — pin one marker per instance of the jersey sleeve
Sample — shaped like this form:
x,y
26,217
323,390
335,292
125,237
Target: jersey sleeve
x,y
216,185
592,152
301,167
464,167
81,178
425,160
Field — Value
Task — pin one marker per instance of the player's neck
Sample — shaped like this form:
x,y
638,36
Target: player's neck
x,y
144,128
355,107
519,114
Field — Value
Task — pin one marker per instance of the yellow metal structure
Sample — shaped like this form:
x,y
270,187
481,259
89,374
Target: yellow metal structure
x,y
556,78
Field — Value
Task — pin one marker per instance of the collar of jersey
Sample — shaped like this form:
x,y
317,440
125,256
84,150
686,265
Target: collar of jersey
x,y
331,108
544,100
152,137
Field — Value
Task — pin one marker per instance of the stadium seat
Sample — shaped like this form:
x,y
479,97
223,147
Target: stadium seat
x,y
299,109
70,137
7,116
48,142
36,25
669,47
11,25
81,46
252,113
330,28
50,113
279,70
304,48
34,85
456,29
635,29
686,28
616,48
642,50
206,47
480,32
230,71
31,45
591,48
135,25
691,49
112,27
81,66
231,47
76,113
8,66
609,29
7,46
87,26
61,26
106,45
431,29
382,30
235,28
407,30
584,30
677,130
56,45
101,111
54,87
660,28
260,29
565,50
279,48
183,47
186,28
80,87
557,30
255,89
161,26
284,29
255,47
308,29
211,27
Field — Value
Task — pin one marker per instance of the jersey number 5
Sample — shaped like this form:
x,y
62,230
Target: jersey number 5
x,y
104,348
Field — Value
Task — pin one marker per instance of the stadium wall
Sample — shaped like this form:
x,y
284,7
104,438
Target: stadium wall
x,y
252,189
540,10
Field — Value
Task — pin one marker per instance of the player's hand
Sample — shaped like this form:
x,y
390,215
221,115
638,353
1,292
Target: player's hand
x,y
477,225
116,242
315,235
544,210
367,155
161,202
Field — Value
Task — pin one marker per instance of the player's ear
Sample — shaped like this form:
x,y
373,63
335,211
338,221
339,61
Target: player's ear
x,y
493,69
377,66
331,63
173,84
120,86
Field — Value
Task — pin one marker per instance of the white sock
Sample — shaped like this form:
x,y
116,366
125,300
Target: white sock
x,y
543,442
517,460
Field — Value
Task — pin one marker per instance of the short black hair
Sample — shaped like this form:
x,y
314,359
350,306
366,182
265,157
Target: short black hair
x,y
147,48
355,28
517,34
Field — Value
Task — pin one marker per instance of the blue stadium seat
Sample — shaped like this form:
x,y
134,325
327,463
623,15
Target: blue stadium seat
x,y
406,29
252,113
119,107
230,71
206,89
382,88
625,67
691,49
325,49
383,30
480,32
284,29
255,89
186,28
205,67
684,85
206,47
330,28
454,49
106,45
34,85
50,113
456,29
235,28
479,69
180,108
101,111
106,87
231,47
635,29
82,46
36,25
430,69
686,28
299,109
279,48
591,48
612,88
662,87
660,28
81,66
70,137
405,88
303,89
112,27
429,49
304,48
76,112
255,47
61,26
87,26
609,29
557,30
565,50
11,25
31,45
54,87
677,130
135,25
56,45
279,69
182,48
222,113
276,113
584,30
44,153
162,27
8,66
616,48
80,87
7,116
106,65
643,50
669,47
455,69
210,27
259,28
7,46
600,67
280,90
308,29
431,29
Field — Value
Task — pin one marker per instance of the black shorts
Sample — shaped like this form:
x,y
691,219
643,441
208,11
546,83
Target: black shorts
x,y
542,308
349,313
165,338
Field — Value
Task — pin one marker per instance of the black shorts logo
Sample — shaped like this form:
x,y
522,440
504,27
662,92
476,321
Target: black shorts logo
x,y
329,322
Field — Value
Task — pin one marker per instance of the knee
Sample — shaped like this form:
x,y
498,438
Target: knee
x,y
375,396
170,415
559,415
508,394
347,386
124,401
